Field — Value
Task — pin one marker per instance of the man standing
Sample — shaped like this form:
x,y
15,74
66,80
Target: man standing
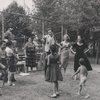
x,y
49,40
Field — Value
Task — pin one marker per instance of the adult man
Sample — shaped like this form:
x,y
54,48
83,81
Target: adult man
x,y
49,40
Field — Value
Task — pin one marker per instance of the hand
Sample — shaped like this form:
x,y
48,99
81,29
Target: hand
x,y
60,66
72,77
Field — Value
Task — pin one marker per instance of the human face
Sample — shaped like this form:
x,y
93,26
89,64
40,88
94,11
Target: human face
x,y
29,40
65,37
3,46
79,39
50,32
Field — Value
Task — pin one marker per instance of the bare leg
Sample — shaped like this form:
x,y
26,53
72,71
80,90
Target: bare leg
x,y
54,90
80,89
55,87
87,95
9,78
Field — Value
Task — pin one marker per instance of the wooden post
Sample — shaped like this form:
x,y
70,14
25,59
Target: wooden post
x,y
43,27
62,31
2,26
97,54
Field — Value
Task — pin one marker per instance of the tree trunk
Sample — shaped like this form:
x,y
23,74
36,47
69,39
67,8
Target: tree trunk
x,y
97,54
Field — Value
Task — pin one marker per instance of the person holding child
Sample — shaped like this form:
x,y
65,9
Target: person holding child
x,y
53,72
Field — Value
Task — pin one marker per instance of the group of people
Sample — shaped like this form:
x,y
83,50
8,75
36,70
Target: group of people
x,y
9,57
7,63
57,57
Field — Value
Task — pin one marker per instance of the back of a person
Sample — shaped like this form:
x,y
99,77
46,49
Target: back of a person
x,y
54,58
83,70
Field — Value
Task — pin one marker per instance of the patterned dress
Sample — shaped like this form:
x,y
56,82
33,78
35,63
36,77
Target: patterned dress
x,y
31,55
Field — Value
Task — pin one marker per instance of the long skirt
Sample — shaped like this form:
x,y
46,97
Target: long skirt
x,y
64,58
31,61
76,62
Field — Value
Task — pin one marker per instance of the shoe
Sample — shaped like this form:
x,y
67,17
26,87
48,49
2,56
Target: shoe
x,y
53,96
87,96
57,93
13,84
9,84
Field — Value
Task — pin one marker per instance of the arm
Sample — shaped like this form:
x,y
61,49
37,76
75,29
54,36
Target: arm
x,y
2,66
87,48
76,72
48,60
86,73
71,48
25,49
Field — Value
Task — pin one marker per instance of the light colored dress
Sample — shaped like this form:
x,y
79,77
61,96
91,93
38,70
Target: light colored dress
x,y
64,54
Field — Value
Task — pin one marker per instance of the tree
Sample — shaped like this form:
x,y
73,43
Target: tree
x,y
19,23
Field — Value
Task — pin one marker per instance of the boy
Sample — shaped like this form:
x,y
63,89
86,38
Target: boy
x,y
83,75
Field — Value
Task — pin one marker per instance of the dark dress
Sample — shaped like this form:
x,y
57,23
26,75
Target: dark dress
x,y
11,63
53,72
31,56
80,54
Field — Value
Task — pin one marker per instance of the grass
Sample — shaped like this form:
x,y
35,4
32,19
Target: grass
x,y
34,87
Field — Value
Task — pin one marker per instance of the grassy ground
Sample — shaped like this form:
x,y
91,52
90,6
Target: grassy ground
x,y
34,87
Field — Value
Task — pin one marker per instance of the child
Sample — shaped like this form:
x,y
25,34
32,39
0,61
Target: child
x,y
11,63
2,73
53,73
83,75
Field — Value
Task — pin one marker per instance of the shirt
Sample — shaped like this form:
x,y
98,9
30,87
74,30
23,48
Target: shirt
x,y
49,42
9,51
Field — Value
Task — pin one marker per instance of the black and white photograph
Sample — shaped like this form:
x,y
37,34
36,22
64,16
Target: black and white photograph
x,y
49,49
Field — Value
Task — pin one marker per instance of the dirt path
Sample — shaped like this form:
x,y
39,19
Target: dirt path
x,y
34,87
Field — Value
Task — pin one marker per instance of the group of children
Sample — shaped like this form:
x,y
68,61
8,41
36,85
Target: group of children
x,y
53,72
7,63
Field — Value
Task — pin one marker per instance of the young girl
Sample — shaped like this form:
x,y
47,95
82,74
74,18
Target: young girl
x,y
53,73
11,63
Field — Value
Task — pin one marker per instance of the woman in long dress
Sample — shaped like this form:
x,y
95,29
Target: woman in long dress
x,y
79,49
65,52
30,54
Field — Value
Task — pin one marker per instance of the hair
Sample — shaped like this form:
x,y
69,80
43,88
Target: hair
x,y
53,48
81,61
82,40
9,43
